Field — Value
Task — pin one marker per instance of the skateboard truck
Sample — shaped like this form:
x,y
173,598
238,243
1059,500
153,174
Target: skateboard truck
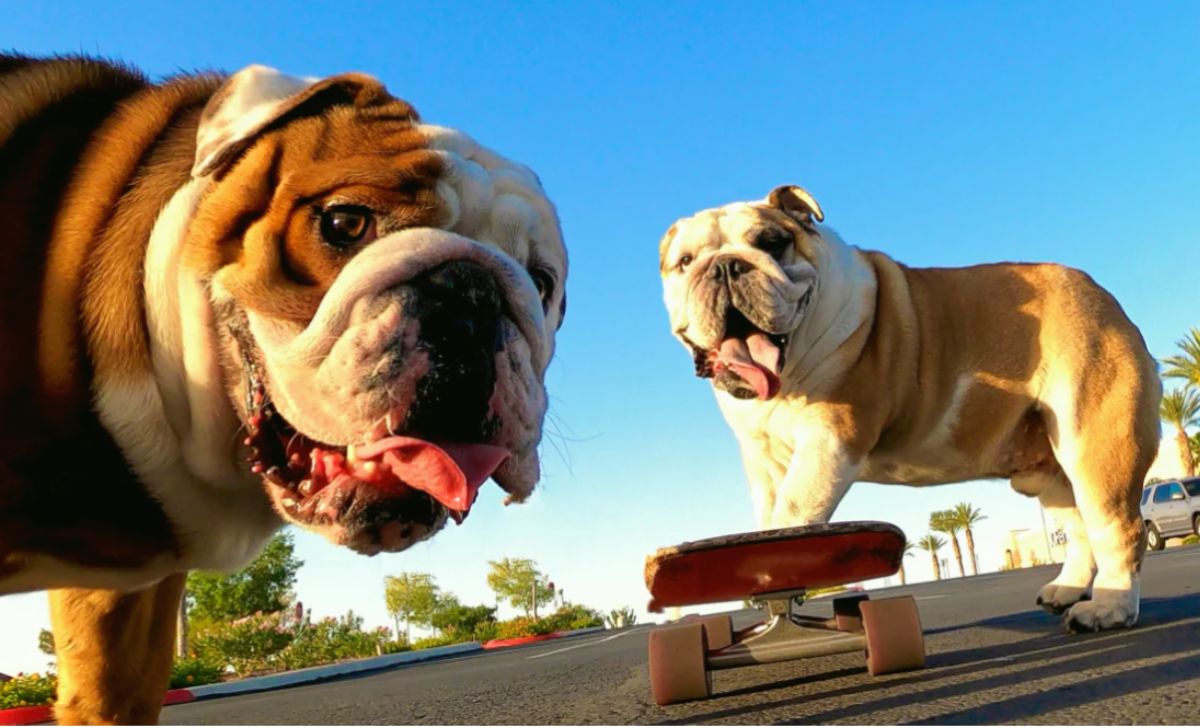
x,y
786,635
683,655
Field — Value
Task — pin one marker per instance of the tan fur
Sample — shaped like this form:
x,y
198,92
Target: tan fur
x,y
313,160
114,652
923,376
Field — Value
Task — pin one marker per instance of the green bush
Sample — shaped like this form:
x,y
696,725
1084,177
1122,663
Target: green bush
x,y
439,640
195,671
250,644
391,647
574,616
454,618
523,627
331,640
28,690
626,617
485,631
1188,541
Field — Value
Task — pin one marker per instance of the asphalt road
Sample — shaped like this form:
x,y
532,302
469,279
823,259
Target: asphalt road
x,y
992,658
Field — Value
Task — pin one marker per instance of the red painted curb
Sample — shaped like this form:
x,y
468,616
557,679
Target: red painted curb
x,y
25,716
41,713
178,695
514,641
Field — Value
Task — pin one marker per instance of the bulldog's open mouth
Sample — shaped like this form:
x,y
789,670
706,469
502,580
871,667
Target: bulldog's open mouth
x,y
748,361
407,476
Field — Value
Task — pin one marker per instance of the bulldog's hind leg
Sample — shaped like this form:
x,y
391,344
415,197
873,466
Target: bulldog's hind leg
x,y
1079,567
1105,459
114,652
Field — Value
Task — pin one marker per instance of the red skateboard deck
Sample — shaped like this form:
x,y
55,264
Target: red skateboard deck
x,y
741,565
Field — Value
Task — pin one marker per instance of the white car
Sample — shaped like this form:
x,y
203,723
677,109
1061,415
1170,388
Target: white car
x,y
1171,508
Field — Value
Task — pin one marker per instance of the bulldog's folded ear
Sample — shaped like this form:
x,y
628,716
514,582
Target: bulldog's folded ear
x,y
797,202
256,97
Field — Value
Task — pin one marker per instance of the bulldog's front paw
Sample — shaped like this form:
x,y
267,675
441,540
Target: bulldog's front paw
x,y
1107,609
1057,598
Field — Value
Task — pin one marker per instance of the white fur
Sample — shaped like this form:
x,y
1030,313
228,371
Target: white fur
x,y
252,102
797,467
177,428
40,572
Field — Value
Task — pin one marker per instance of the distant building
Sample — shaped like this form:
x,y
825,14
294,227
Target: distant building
x,y
1028,547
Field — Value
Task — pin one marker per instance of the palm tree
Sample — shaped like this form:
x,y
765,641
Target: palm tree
x,y
1186,366
967,516
1181,409
943,522
908,547
931,544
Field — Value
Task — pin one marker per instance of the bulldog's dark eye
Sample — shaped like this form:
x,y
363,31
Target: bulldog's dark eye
x,y
543,280
345,225
773,241
684,261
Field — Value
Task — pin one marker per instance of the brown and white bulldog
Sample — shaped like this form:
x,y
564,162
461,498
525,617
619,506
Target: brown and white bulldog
x,y
234,302
834,364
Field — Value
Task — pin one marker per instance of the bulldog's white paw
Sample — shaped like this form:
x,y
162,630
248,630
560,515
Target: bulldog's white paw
x,y
1107,609
1056,598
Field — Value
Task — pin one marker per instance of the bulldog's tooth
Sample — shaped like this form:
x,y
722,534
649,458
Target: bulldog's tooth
x,y
257,468
306,488
351,454
288,503
370,467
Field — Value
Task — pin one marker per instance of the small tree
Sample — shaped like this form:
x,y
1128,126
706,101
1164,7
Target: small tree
x,y
519,581
265,586
908,547
46,642
1180,408
944,522
1186,364
623,617
931,544
412,597
966,516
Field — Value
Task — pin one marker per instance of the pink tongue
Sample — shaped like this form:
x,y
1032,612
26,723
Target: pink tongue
x,y
451,474
756,360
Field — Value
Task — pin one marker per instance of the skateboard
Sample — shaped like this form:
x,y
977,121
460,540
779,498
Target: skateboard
x,y
777,568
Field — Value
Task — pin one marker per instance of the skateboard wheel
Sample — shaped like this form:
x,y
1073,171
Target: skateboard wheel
x,y
847,614
895,642
677,669
718,630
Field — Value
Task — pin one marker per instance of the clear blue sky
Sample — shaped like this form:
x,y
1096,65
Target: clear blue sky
x,y
941,133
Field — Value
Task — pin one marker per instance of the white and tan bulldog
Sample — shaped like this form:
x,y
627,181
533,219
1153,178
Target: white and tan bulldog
x,y
235,302
834,364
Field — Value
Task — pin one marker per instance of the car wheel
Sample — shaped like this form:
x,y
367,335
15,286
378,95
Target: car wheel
x,y
1154,539
1196,524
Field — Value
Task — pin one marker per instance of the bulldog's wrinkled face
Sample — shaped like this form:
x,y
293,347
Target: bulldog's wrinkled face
x,y
388,293
737,282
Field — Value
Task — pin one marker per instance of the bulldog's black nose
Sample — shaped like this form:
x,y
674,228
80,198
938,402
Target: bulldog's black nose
x,y
462,287
460,311
729,269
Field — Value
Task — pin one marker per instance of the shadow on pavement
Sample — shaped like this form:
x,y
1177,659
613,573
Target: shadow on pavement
x,y
1167,627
